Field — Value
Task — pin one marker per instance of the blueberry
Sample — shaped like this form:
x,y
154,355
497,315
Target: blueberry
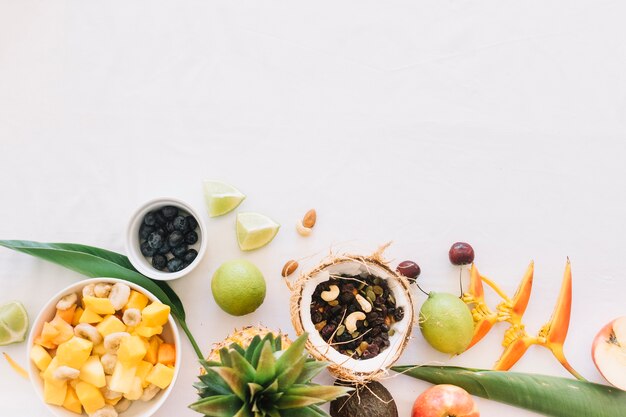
x,y
169,227
149,219
164,249
191,238
146,250
179,250
174,265
145,230
160,219
169,212
180,224
190,255
175,238
192,222
155,240
161,232
159,261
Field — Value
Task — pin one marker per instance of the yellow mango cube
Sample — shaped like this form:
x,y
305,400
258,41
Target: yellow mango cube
x,y
113,401
90,316
156,314
74,353
143,369
49,332
160,375
99,349
98,305
77,313
93,372
48,374
136,300
71,402
110,324
135,391
152,354
132,350
122,378
148,331
66,331
54,393
40,357
89,396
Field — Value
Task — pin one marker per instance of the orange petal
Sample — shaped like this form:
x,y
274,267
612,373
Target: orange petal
x,y
481,329
512,354
522,295
476,284
16,367
559,323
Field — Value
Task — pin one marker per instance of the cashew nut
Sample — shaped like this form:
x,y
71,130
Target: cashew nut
x,y
108,361
106,411
119,295
67,301
89,290
102,289
63,373
352,319
107,393
365,305
149,392
122,405
302,230
89,332
132,317
112,341
331,294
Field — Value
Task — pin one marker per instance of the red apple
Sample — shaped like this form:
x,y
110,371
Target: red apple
x,y
445,401
609,352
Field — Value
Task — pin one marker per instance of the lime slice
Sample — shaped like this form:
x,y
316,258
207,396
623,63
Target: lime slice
x,y
221,198
13,323
255,230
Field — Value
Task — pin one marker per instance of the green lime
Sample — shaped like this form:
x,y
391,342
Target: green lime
x,y
255,230
446,323
13,323
221,198
238,287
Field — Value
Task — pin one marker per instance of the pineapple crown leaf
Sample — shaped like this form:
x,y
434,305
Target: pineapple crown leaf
x,y
310,370
265,369
217,406
290,375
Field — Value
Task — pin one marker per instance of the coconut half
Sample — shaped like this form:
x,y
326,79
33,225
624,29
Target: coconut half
x,y
343,366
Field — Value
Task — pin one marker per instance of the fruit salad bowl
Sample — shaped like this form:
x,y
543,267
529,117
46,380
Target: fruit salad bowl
x,y
48,313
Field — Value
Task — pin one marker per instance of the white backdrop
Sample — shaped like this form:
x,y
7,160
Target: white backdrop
x,y
498,123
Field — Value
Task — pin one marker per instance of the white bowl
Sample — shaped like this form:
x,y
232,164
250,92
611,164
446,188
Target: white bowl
x,y
138,408
133,251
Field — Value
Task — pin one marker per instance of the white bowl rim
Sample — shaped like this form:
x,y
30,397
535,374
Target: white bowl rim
x,y
132,229
33,371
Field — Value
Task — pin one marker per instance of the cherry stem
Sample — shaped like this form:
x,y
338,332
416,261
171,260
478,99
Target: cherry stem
x,y
420,288
461,280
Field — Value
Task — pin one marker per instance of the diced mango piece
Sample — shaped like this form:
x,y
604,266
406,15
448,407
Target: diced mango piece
x,y
44,343
136,300
54,393
113,401
40,357
99,349
93,372
143,369
132,350
160,375
98,305
167,354
48,374
152,354
90,316
49,332
156,314
71,402
74,353
66,331
135,391
66,315
122,378
76,317
89,396
110,324
148,331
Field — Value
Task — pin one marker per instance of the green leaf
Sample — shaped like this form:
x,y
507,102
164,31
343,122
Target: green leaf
x,y
244,411
311,411
97,262
225,357
290,375
266,366
292,354
242,367
549,395
310,370
292,401
234,381
212,384
323,392
254,343
218,406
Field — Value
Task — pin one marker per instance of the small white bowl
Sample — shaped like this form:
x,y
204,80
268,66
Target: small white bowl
x,y
139,261
138,408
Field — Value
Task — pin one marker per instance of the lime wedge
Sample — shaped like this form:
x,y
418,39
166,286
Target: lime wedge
x,y
255,230
221,198
13,323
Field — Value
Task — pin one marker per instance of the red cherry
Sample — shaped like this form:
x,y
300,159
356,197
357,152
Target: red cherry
x,y
461,253
409,269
